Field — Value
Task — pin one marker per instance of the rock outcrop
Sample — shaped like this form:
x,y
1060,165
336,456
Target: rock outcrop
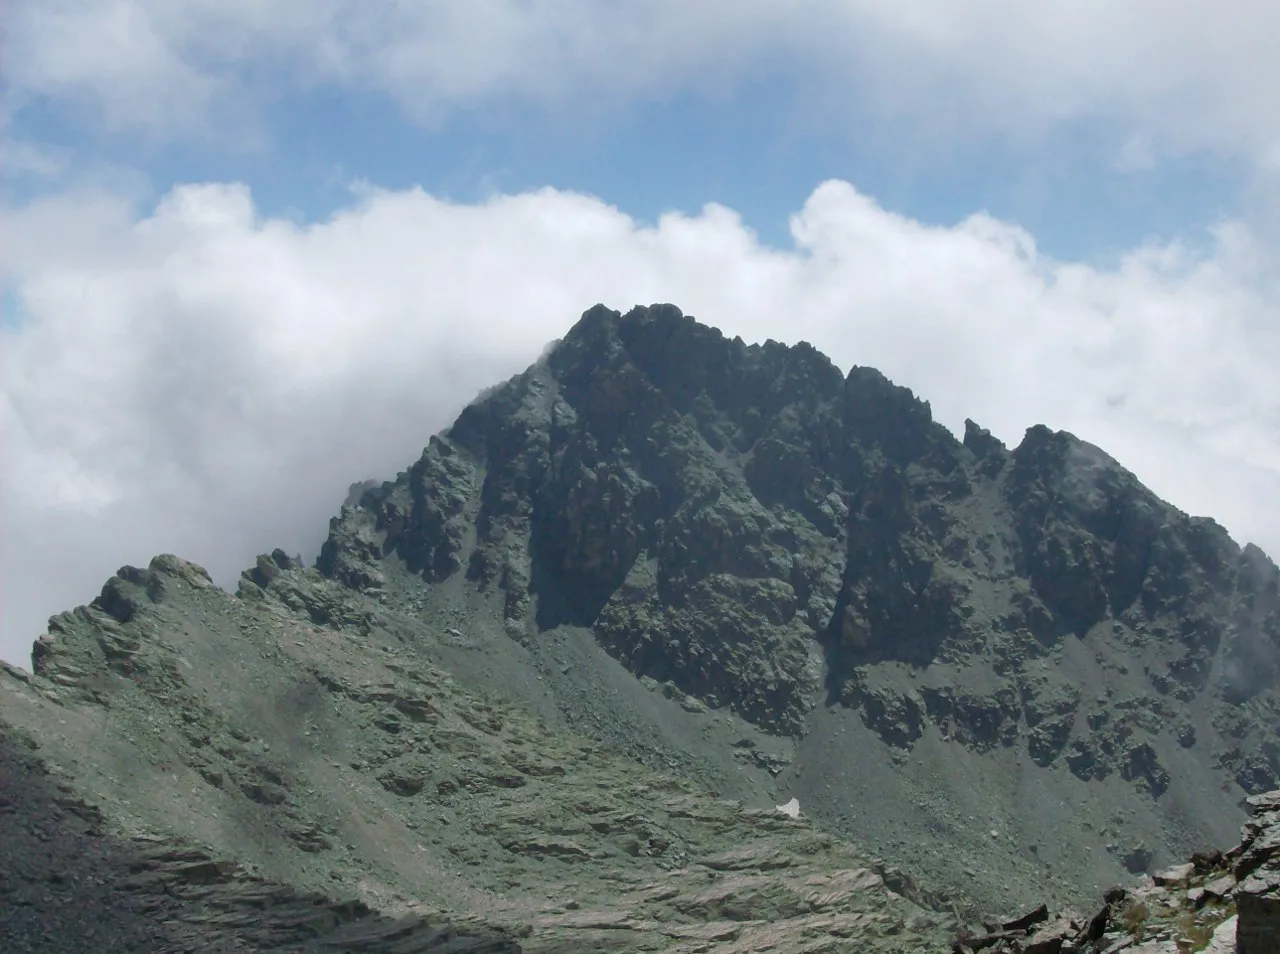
x,y
1257,873
1220,903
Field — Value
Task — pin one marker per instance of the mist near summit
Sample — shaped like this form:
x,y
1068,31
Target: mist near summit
x,y
190,364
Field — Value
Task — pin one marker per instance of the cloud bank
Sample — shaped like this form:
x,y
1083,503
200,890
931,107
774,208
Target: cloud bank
x,y
1170,75
199,379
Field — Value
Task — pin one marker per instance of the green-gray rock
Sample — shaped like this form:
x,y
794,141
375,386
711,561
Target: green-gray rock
x,y
1013,673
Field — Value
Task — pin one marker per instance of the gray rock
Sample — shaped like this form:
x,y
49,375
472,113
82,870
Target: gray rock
x,y
1176,877
1221,888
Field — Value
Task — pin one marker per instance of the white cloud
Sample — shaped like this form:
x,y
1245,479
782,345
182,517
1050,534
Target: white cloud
x,y
1170,74
202,380
21,159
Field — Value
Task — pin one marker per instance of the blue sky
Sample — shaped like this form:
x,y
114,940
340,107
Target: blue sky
x,y
255,252
759,149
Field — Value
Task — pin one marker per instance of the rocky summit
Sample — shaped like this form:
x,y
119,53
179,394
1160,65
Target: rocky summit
x,y
549,686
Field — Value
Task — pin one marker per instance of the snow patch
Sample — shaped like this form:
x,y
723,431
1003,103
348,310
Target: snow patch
x,y
791,809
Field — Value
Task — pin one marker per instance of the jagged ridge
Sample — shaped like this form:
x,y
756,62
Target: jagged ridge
x,y
734,519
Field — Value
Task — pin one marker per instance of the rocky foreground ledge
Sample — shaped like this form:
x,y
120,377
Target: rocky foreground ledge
x,y
1215,903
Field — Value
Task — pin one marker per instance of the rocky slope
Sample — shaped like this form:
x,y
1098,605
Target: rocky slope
x,y
68,886
337,762
1009,645
554,677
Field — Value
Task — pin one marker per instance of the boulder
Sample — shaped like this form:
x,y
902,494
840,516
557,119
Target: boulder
x,y
1178,876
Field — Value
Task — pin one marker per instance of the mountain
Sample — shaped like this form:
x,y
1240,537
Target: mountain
x,y
942,639
649,589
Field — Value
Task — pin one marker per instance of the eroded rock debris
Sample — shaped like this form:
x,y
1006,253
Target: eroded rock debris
x,y
1222,903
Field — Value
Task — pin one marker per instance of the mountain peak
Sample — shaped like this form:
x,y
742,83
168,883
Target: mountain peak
x,y
665,536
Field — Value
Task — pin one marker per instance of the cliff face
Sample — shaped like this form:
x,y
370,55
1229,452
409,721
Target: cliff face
x,y
770,536
678,493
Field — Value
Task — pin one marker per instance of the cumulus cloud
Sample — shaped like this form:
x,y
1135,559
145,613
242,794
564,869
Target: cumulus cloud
x,y
1169,74
197,378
